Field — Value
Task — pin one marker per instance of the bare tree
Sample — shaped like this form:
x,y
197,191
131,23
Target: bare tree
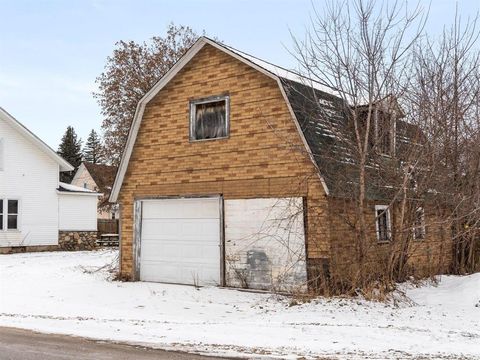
x,y
445,100
363,51
130,72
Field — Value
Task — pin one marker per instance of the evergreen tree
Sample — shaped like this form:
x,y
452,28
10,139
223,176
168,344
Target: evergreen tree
x,y
93,150
71,150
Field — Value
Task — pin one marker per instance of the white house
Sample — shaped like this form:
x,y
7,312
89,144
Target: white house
x,y
34,207
99,178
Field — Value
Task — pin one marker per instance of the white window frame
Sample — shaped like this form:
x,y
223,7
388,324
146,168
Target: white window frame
x,y
193,108
386,209
6,213
3,215
2,154
422,228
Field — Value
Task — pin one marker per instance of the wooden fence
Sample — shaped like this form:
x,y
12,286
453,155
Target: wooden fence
x,y
107,226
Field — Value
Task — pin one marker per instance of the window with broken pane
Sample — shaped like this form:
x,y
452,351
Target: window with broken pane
x,y
383,225
419,224
384,133
209,118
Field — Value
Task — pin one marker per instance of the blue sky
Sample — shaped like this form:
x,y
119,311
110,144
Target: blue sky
x,y
51,51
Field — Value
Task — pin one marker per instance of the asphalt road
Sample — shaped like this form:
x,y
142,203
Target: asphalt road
x,y
18,344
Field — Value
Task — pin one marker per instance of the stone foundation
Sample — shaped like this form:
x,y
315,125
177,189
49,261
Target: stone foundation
x,y
23,249
77,240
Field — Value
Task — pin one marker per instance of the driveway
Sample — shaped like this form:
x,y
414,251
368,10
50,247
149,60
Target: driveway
x,y
18,344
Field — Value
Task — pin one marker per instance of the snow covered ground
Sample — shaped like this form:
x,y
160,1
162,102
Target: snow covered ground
x,y
61,293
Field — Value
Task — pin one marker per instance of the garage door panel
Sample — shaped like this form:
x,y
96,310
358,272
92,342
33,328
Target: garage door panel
x,y
186,275
197,208
180,241
180,229
182,252
203,229
170,229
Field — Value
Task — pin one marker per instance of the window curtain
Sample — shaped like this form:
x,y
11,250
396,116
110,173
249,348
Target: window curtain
x,y
210,120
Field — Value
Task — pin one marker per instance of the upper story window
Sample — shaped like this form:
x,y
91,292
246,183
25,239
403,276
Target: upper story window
x,y
381,130
2,146
419,224
209,118
383,223
384,130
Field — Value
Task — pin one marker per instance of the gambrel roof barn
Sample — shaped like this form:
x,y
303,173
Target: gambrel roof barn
x,y
221,182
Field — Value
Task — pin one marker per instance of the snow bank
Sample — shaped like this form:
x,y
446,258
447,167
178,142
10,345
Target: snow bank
x,y
62,293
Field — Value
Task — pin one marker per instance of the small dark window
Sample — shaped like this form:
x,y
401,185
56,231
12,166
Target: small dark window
x,y
383,225
12,215
419,224
209,118
384,133
1,214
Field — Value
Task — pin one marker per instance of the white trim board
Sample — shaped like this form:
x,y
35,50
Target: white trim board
x,y
71,193
184,60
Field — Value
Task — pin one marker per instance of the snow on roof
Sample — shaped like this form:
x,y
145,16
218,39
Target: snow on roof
x,y
282,72
64,187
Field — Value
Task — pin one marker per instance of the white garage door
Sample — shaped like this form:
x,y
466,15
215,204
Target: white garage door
x,y
180,241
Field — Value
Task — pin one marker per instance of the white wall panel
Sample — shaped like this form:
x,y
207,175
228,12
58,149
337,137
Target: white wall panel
x,y
265,244
77,212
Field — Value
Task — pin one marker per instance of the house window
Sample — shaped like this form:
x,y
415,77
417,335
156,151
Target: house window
x,y
382,223
8,214
209,118
384,132
419,224
12,215
1,214
1,154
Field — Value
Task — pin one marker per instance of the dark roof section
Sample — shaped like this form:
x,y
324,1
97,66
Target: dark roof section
x,y
103,175
324,122
321,117
64,189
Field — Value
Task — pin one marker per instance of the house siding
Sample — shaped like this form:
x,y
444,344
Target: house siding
x,y
82,177
31,176
71,205
431,255
263,157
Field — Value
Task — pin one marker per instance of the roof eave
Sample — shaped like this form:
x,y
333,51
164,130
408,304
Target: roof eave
x,y
82,193
63,164
201,42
